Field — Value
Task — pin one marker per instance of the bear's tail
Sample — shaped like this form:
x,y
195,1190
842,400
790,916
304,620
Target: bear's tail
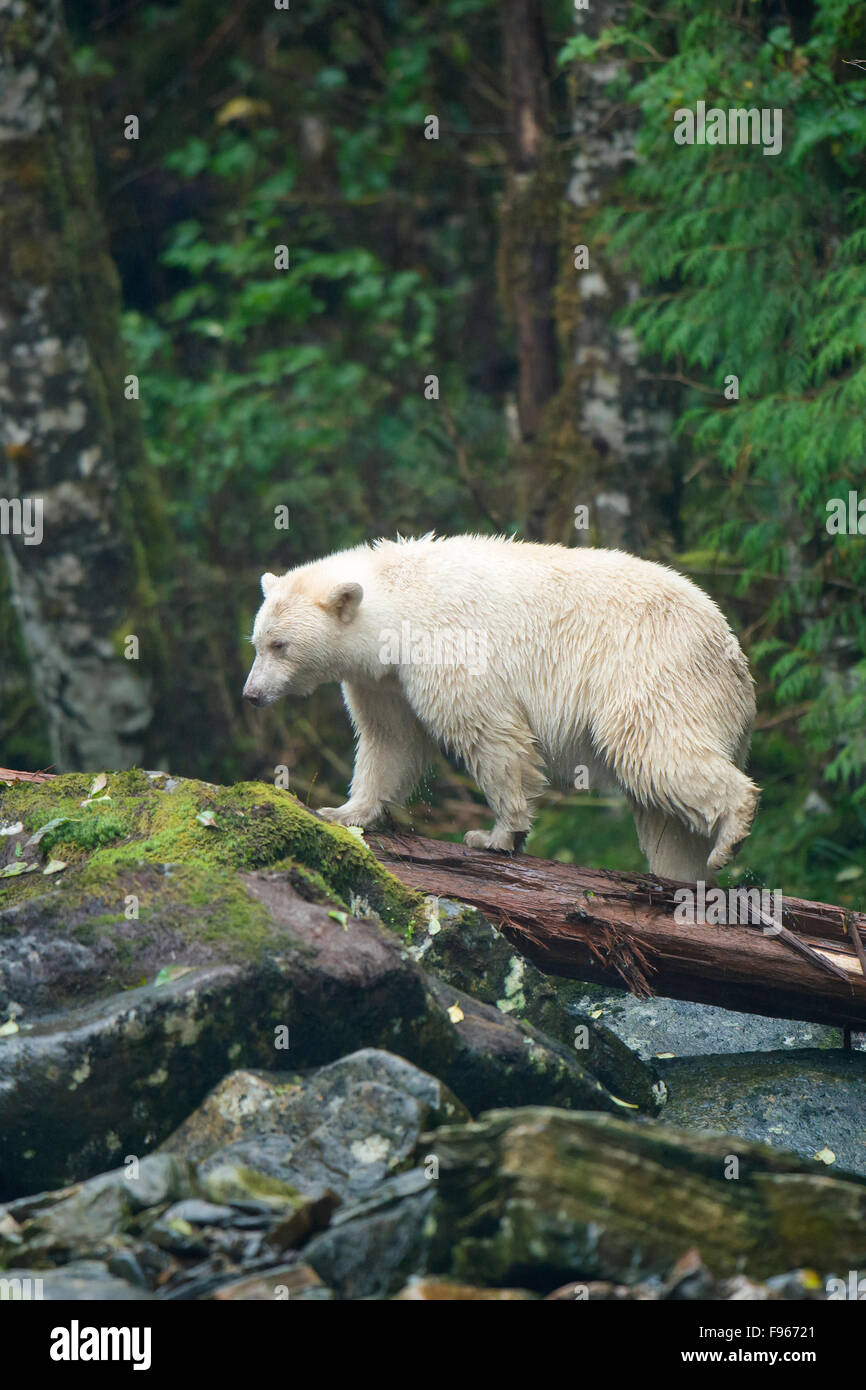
x,y
735,822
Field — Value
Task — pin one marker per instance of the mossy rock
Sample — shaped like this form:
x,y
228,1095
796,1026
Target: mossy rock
x,y
205,833
458,944
539,1197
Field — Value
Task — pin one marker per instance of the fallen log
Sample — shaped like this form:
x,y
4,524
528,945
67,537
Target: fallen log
x,y
8,774
619,929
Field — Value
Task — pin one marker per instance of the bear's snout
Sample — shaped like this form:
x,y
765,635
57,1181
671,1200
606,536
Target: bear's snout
x,y
255,697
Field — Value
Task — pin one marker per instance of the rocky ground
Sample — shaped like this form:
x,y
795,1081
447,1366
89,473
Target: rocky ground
x,y
238,1060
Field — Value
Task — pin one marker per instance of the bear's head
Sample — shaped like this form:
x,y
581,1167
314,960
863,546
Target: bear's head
x,y
302,636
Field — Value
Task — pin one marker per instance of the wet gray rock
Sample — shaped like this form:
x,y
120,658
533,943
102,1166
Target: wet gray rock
x,y
372,1248
806,1101
655,1026
532,1200
344,1128
79,1281
82,1088
198,1213
690,1281
153,1231
85,1219
539,1198
458,944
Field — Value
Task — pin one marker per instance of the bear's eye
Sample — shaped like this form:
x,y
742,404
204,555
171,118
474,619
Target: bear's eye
x,y
278,646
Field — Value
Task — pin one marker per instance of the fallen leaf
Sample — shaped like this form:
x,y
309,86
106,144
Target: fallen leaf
x,y
43,830
171,972
54,866
207,819
456,1014
825,1156
342,918
7,1029
12,829
13,870
100,782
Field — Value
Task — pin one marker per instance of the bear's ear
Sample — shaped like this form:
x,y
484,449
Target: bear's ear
x,y
343,601
268,582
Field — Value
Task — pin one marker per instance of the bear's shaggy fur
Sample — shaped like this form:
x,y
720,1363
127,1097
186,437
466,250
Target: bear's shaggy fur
x,y
528,662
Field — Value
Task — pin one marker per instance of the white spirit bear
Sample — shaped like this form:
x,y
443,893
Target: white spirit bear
x,y
529,662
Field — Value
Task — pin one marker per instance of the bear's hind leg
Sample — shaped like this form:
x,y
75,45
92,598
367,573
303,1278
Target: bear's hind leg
x,y
713,801
508,770
673,851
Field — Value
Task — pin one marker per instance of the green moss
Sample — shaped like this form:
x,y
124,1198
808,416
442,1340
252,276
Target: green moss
x,y
84,834
197,903
208,832
309,883
233,1182
88,932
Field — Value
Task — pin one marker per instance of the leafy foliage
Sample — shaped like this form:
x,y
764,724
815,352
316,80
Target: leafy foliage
x,y
753,267
301,393
304,388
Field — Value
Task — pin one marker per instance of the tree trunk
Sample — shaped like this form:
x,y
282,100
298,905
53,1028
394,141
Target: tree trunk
x,y
67,433
630,486
619,929
528,249
531,267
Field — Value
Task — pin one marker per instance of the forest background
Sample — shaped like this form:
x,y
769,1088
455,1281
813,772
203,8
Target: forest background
x,y
582,287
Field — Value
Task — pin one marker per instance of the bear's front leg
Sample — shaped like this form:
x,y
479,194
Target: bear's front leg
x,y
352,813
392,752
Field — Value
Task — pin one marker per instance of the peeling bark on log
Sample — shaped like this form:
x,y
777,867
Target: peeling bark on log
x,y
8,774
619,929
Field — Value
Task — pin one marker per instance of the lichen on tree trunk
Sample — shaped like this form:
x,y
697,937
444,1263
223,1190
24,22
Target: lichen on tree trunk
x,y
623,418
583,422
68,436
528,247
